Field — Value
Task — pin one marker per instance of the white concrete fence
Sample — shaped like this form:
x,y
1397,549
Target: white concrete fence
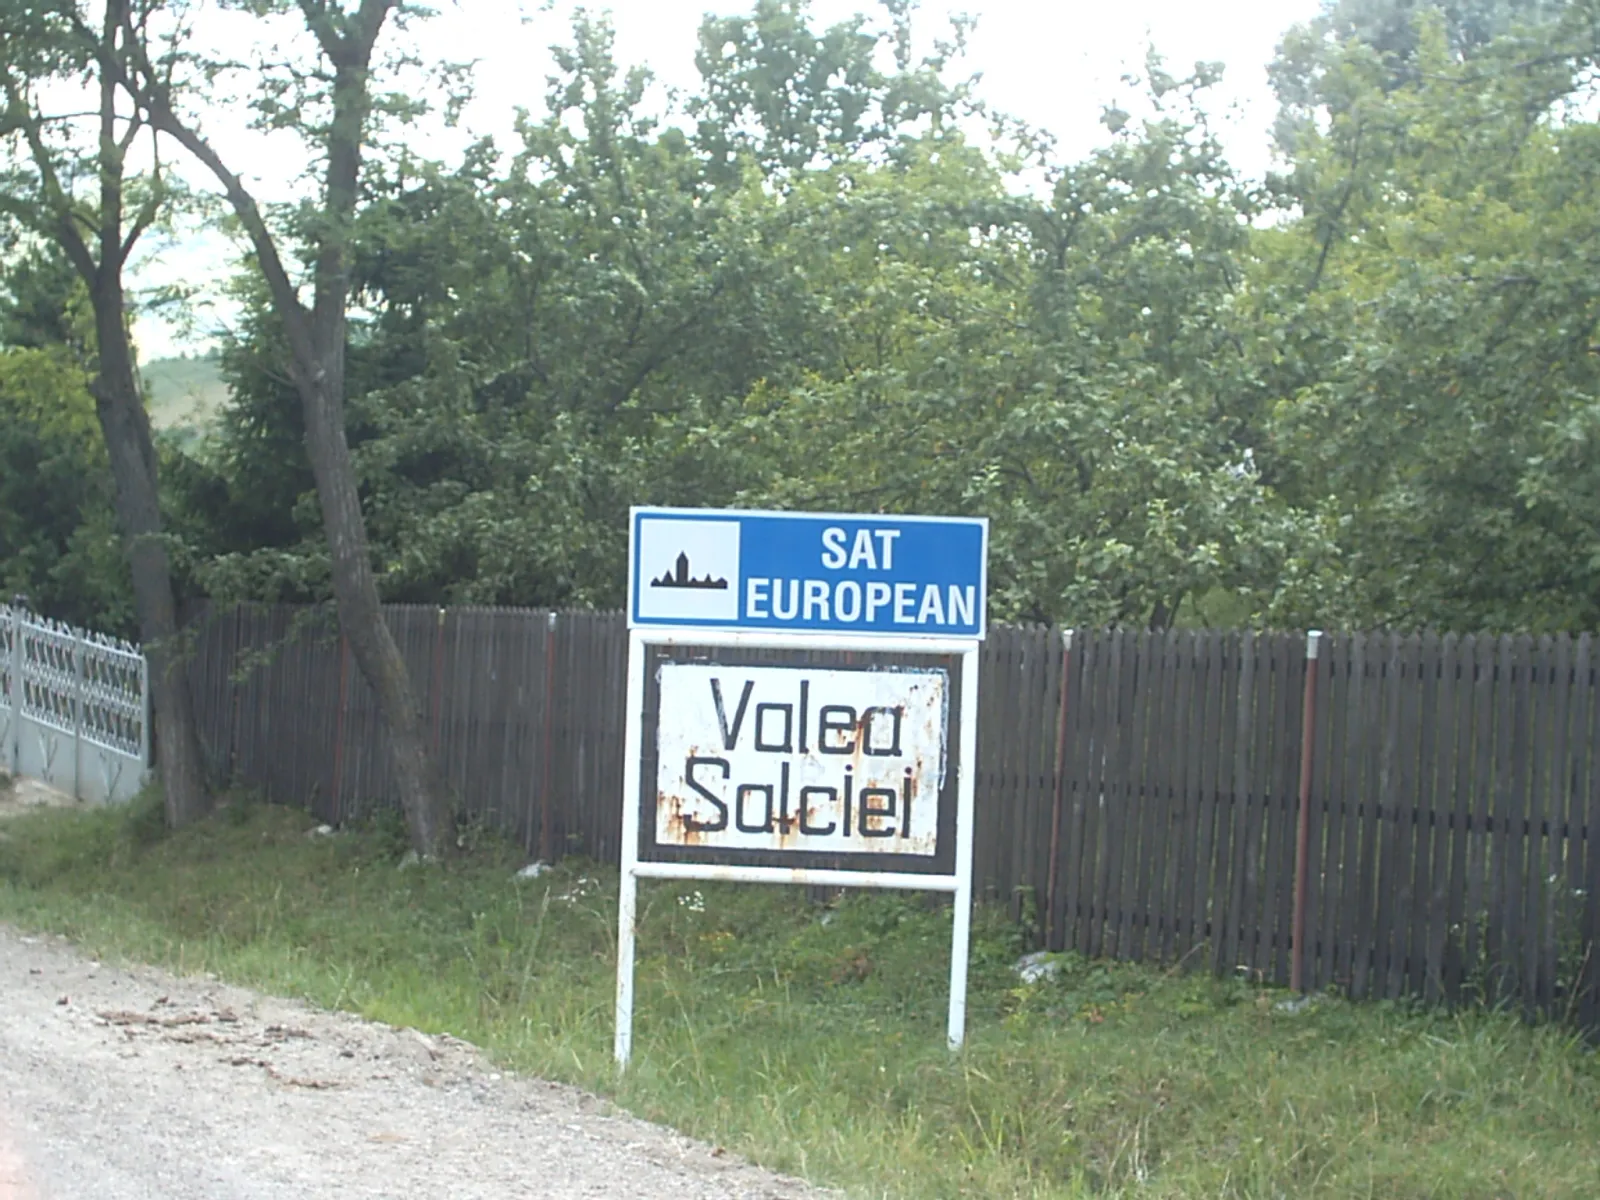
x,y
74,708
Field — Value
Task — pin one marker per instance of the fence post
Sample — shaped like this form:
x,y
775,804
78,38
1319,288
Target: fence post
x,y
1060,789
144,721
1302,845
78,647
16,689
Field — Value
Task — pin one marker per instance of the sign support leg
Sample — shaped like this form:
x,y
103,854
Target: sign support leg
x,y
627,904
628,891
961,935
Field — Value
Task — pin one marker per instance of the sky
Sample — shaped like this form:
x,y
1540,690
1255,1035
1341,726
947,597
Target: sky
x,y
1053,63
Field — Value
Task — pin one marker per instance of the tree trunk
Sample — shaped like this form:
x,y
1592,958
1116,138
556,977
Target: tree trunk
x,y
126,427
316,339
422,795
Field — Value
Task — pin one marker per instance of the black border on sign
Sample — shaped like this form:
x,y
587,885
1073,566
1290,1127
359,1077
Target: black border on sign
x,y
940,863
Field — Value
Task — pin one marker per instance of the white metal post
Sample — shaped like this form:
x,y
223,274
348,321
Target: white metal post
x,y
628,890
966,780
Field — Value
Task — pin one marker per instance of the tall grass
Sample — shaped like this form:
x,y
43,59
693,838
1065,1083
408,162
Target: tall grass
x,y
810,1036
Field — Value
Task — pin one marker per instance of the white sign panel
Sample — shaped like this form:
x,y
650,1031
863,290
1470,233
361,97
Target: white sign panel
x,y
801,759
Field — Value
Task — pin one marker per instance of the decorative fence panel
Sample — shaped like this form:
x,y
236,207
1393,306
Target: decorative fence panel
x,y
74,708
1138,794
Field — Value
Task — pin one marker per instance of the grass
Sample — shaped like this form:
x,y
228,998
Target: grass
x,y
810,1037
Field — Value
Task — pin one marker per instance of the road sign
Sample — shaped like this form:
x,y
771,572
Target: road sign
x,y
789,764
850,770
815,572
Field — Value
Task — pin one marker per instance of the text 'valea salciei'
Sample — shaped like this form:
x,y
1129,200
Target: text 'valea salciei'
x,y
801,758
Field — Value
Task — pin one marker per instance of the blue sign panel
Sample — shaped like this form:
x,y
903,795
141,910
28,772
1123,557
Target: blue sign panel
x,y
813,572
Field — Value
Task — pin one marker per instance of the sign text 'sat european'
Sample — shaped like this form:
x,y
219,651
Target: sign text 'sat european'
x,y
820,573
801,759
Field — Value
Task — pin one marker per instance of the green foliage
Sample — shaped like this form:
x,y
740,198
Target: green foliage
x,y
58,539
1362,394
1438,370
810,1036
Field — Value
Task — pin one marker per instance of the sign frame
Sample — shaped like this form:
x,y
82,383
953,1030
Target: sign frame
x,y
642,637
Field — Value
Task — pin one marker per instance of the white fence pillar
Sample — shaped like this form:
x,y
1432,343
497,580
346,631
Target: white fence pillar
x,y
74,692
13,691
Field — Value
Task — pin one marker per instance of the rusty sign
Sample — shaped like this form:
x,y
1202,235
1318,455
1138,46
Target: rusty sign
x,y
803,759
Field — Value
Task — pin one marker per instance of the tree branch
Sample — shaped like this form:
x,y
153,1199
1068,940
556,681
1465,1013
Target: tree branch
x,y
20,115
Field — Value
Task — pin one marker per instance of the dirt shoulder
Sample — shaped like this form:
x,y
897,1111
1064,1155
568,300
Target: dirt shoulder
x,y
129,1082
18,796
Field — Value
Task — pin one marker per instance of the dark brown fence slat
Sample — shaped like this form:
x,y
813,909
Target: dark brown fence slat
x,y
1208,880
1033,803
1008,784
1252,924
1112,730
1318,961
1459,766
1168,749
1080,829
1440,755
1344,795
1480,859
1588,1007
1131,799
1363,926
1516,895
1283,807
1498,843
1182,854
985,867
1388,804
1144,798
1546,811
1409,815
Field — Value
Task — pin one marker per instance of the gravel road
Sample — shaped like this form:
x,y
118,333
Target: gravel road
x,y
127,1083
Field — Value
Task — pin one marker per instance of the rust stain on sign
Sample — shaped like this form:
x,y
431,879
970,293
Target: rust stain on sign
x,y
800,758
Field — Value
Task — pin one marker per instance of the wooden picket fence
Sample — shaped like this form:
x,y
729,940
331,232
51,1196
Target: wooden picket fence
x,y
1138,794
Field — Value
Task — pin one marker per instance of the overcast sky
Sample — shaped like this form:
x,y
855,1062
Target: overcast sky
x,y
1053,63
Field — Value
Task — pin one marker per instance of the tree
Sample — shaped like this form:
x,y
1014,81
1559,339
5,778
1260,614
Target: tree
x,y
339,87
97,235
1437,314
58,540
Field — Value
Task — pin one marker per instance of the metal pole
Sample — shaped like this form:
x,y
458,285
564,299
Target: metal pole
x,y
1302,846
1060,790
961,938
628,892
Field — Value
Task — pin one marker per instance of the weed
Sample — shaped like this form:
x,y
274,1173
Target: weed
x,y
809,1035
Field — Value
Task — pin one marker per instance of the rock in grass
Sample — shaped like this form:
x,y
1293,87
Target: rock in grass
x,y
1038,966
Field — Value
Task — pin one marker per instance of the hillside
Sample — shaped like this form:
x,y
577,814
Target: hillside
x,y
184,392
